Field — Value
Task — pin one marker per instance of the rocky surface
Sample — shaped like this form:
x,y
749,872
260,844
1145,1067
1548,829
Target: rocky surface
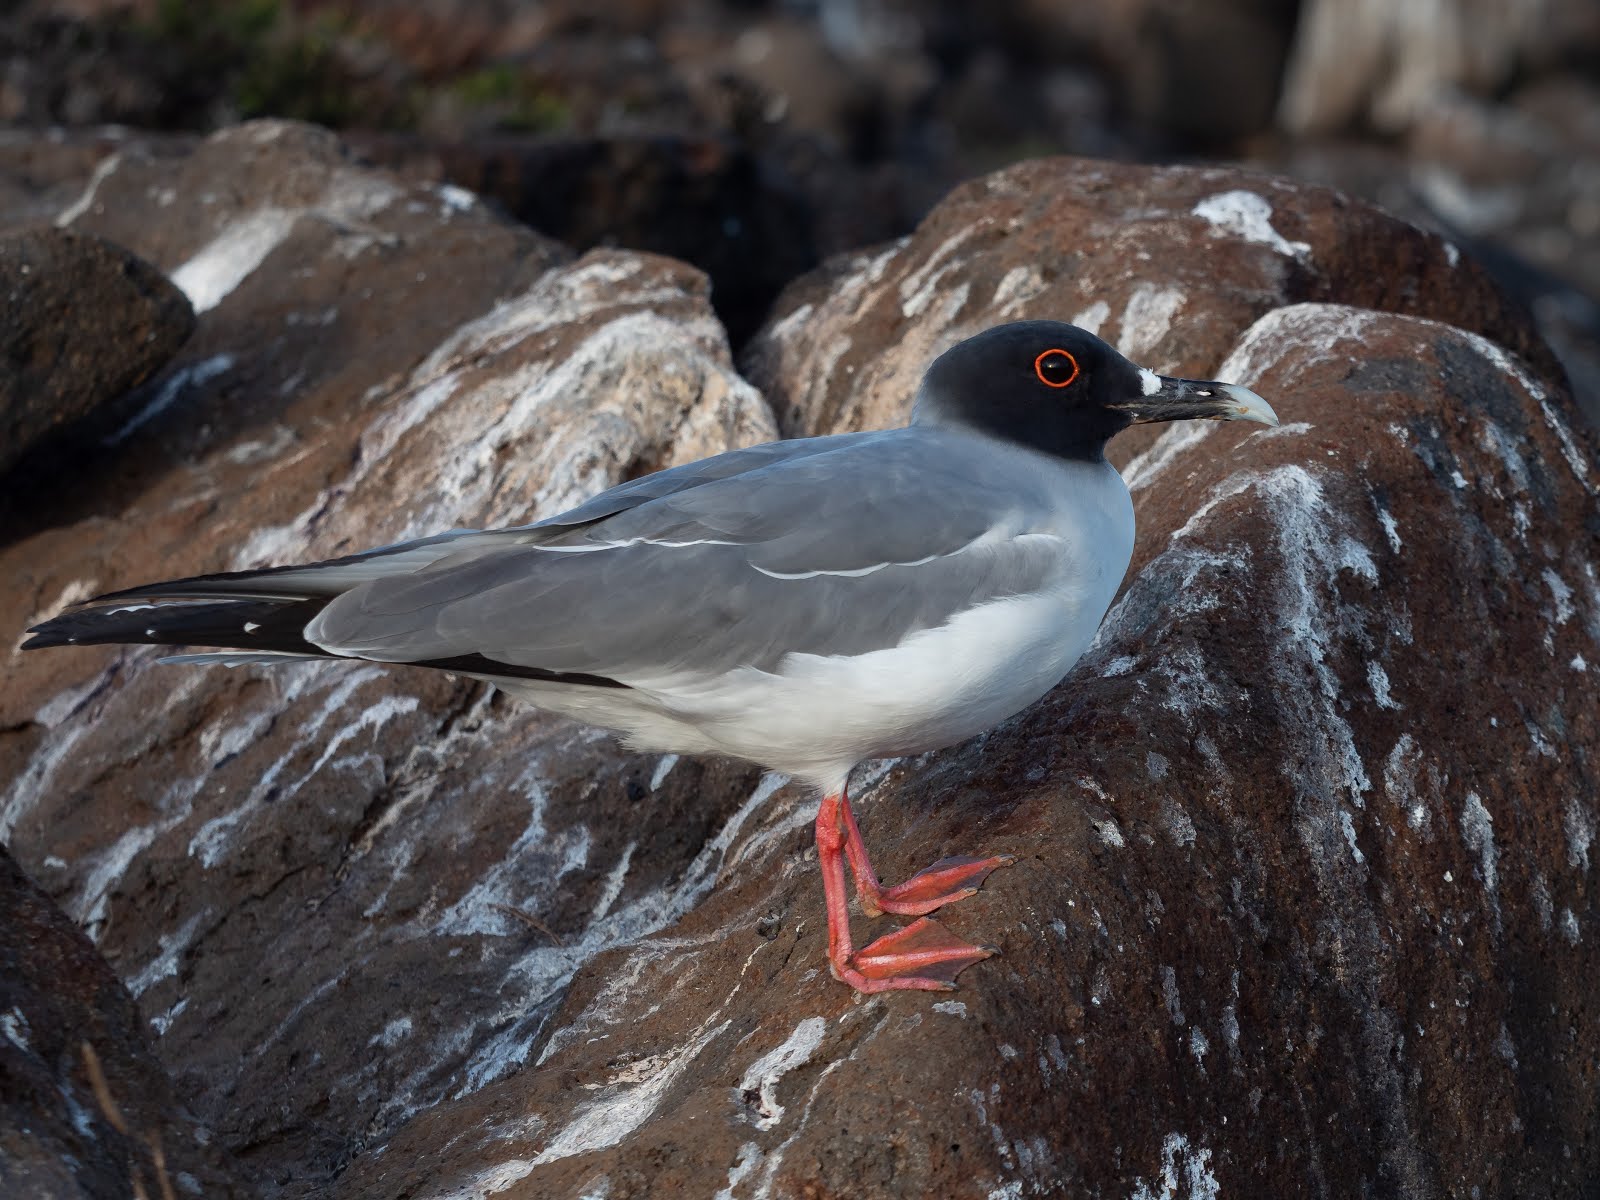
x,y
1303,901
1167,264
85,1108
66,361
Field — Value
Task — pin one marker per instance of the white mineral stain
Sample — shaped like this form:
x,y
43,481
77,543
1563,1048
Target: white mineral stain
x,y
1147,318
955,1008
763,1075
1477,831
1378,681
183,378
223,263
1185,1171
1248,215
608,1120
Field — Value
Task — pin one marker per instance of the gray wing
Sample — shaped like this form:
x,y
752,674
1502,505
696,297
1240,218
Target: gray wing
x,y
847,548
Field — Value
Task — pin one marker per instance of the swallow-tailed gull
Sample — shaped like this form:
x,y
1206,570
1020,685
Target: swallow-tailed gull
x,y
804,604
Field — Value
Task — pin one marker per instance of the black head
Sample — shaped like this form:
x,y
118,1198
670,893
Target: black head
x,y
1057,388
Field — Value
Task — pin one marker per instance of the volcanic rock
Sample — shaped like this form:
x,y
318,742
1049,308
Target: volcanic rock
x,y
1302,904
85,322
1170,265
85,1108
257,851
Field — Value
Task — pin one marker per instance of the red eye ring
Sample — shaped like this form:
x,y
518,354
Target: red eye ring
x,y
1038,368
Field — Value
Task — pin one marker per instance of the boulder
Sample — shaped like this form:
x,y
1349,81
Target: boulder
x,y
1170,265
253,851
85,1108
86,322
317,283
1306,834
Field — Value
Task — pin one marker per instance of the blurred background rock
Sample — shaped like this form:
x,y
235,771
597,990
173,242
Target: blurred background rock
x,y
755,137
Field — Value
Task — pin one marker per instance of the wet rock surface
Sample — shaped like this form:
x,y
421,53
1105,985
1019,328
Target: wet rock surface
x,y
86,322
85,1107
1306,835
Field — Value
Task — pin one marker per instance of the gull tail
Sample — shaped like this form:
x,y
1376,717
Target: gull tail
x,y
262,616
274,627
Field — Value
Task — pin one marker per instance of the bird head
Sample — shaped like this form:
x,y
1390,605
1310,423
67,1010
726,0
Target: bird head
x,y
1058,388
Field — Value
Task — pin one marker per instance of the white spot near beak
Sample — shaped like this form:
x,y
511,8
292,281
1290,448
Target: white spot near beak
x,y
1151,381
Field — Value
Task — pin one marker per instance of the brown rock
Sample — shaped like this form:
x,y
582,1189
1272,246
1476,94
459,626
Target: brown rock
x,y
1306,835
85,1108
273,861
1303,905
700,199
1170,265
86,322
315,280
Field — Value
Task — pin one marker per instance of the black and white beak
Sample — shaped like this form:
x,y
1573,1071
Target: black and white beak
x,y
1167,399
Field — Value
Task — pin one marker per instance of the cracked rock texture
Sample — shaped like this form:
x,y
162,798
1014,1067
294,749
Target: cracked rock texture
x,y
1302,905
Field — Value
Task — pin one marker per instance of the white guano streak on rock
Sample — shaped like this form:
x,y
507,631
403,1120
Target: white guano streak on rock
x,y
917,288
181,379
607,1121
1477,831
1503,362
102,170
1144,467
1093,317
1247,215
1185,1172
1147,318
762,1076
223,263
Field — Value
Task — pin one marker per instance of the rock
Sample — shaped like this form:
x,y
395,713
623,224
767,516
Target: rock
x,y
315,280
266,849
1509,182
85,1108
703,200
1307,833
1207,70
1358,61
64,362
1290,852
1171,265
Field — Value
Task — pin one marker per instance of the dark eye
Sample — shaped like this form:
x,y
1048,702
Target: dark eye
x,y
1055,368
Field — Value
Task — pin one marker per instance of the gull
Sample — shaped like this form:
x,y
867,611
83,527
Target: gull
x,y
806,605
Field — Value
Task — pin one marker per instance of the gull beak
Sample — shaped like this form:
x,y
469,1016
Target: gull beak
x,y
1168,399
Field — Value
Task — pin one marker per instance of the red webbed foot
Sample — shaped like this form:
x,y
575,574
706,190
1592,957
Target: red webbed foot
x,y
924,956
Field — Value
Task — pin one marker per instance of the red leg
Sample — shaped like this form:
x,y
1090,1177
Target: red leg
x,y
948,880
921,957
